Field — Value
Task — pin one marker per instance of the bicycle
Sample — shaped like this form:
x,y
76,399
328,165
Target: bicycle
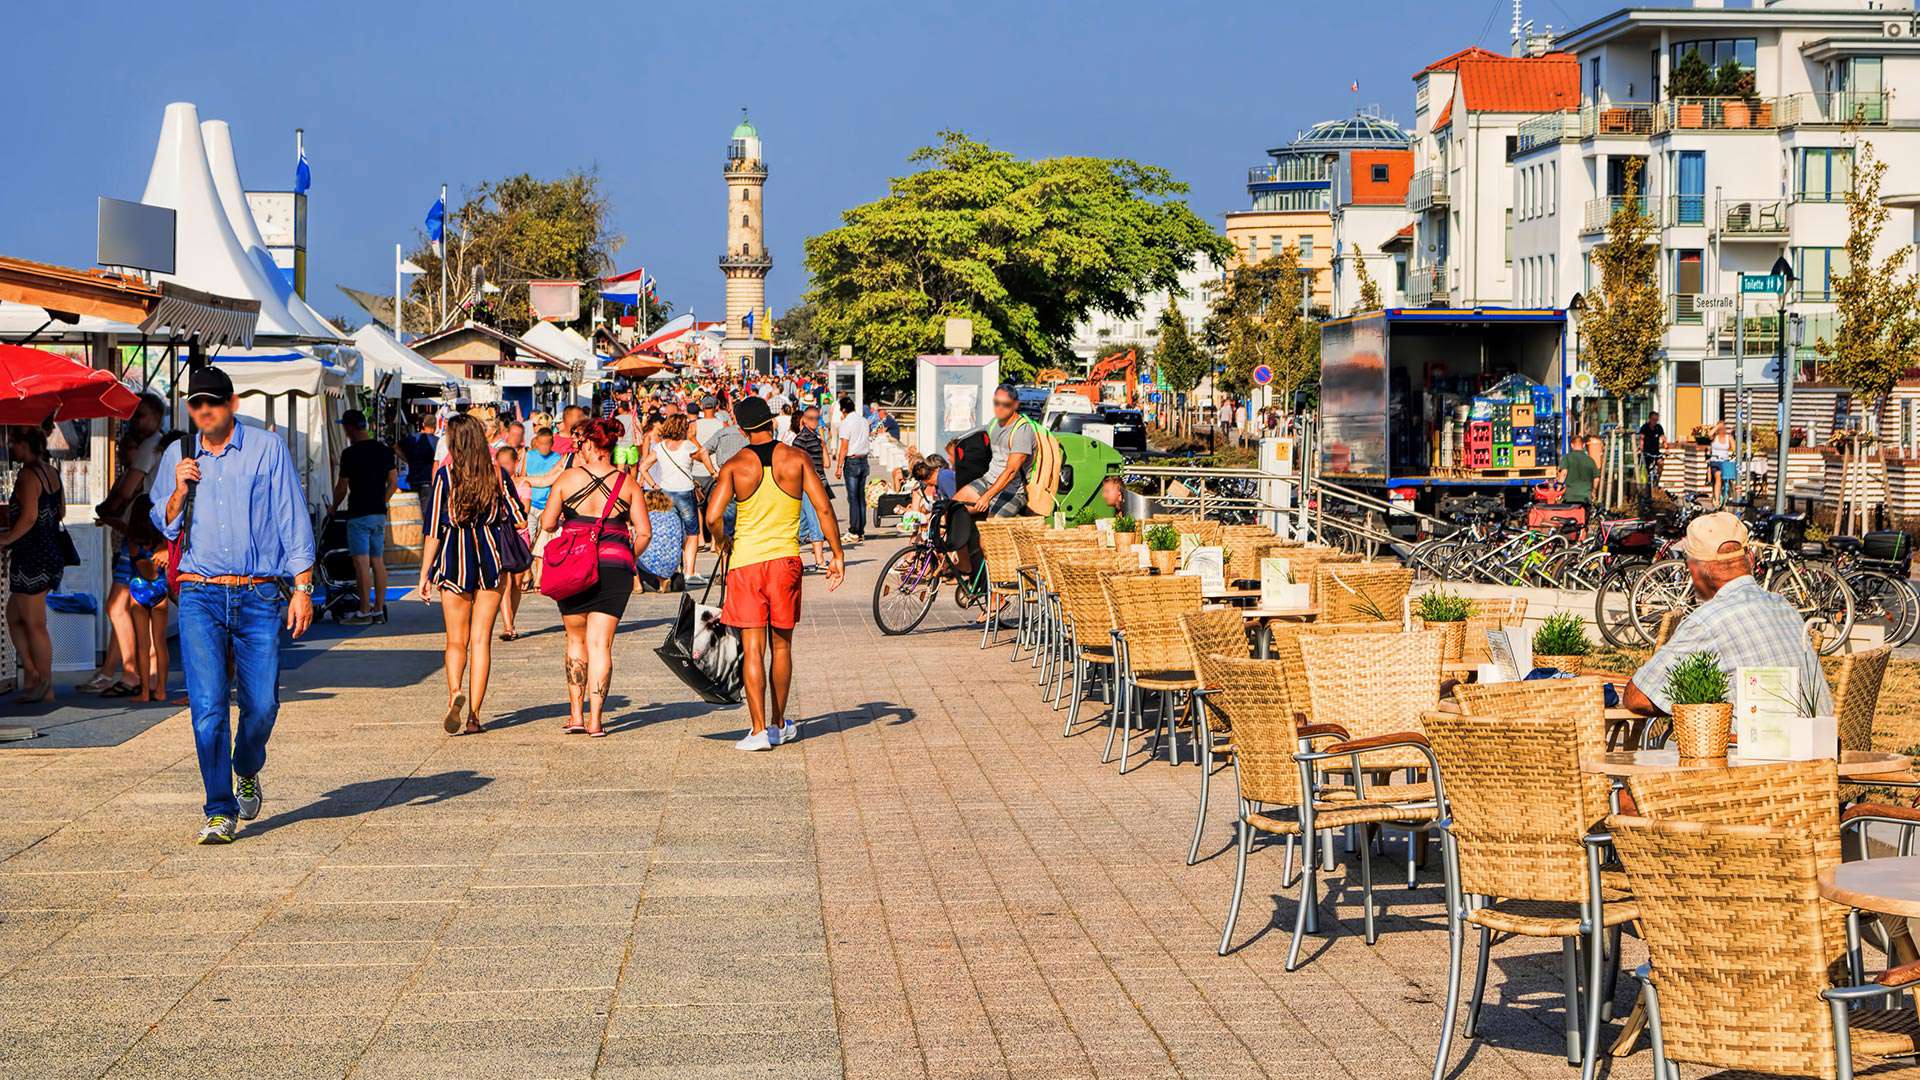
x,y
1815,589
1876,570
911,579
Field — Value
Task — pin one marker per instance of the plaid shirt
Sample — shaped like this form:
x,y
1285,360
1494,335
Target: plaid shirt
x,y
1747,626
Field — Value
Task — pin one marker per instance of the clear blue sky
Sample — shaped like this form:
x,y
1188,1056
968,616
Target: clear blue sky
x,y
398,97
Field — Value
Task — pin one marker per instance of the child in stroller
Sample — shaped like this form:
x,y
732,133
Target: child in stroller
x,y
333,567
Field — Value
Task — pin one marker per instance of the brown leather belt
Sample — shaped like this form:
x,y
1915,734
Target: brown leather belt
x,y
228,579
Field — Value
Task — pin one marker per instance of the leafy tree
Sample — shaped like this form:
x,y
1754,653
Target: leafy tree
x,y
798,331
514,229
1025,249
1179,359
1878,336
1626,317
1692,77
1257,319
1369,292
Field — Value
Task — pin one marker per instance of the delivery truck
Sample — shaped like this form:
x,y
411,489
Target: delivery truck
x,y
1420,404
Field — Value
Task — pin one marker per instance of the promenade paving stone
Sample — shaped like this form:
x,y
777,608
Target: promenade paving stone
x,y
932,883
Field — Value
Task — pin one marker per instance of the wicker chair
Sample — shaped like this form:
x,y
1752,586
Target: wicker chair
x,y
1663,631
1709,894
1354,592
1152,654
1211,636
1243,545
1252,698
1026,550
1516,826
1856,697
1088,621
1003,574
1582,700
1049,642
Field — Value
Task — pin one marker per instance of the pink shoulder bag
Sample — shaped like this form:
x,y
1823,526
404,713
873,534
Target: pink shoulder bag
x,y
571,562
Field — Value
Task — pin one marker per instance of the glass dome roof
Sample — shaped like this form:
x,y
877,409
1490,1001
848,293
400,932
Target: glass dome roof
x,y
1362,131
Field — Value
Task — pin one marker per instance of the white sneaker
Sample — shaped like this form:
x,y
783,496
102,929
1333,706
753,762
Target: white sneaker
x,y
754,742
790,733
776,735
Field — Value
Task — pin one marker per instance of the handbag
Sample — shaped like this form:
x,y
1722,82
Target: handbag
x,y
571,562
69,554
516,557
703,652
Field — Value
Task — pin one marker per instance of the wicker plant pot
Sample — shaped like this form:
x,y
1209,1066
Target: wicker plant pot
x,y
1125,541
1454,645
1165,562
1569,664
1702,731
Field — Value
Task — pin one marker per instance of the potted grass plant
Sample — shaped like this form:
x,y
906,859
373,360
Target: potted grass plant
x,y
1126,532
1163,547
1702,715
1561,642
1442,610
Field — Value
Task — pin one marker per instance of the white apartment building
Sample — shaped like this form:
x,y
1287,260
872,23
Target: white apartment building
x,y
1096,336
1468,108
1733,183
1369,200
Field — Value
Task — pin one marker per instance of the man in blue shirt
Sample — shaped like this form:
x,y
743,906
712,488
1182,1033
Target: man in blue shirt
x,y
232,498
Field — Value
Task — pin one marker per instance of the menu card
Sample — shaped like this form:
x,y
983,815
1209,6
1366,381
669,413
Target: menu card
x,y
1513,653
1767,721
1209,565
1277,591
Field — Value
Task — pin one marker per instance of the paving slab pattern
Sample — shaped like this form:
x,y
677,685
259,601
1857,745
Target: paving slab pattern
x,y
933,883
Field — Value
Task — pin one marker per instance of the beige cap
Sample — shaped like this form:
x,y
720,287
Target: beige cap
x,y
1708,532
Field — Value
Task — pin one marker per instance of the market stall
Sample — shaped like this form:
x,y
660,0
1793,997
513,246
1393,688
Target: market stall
x,y
298,396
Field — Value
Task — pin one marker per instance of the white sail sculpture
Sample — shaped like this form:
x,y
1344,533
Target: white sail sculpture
x,y
218,140
207,254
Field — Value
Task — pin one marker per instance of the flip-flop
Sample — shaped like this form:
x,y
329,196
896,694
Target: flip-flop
x,y
601,734
573,729
120,690
508,635
452,720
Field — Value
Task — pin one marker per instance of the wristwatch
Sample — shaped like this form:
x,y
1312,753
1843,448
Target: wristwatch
x,y
306,588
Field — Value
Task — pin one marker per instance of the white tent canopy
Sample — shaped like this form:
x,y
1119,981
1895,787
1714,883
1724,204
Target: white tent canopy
x,y
298,396
381,353
218,139
567,344
207,254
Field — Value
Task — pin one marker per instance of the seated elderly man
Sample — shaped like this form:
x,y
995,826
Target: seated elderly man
x,y
1744,624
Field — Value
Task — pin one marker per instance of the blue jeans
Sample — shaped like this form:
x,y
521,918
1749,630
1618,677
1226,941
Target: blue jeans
x,y
240,624
855,471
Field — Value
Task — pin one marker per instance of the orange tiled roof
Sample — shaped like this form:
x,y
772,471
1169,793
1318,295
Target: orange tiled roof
x,y
1403,238
1452,61
1390,192
1520,84
1446,115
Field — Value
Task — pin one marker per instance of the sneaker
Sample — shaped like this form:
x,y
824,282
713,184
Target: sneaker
x,y
694,580
790,733
249,793
754,742
357,618
219,830
776,735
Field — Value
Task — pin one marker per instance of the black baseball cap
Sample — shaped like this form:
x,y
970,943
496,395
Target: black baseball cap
x,y
353,418
752,414
209,383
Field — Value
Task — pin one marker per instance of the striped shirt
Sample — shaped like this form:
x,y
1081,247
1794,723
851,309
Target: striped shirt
x,y
1746,626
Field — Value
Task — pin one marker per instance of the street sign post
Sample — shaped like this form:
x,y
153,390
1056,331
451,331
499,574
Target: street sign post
x,y
1262,375
1762,284
1716,302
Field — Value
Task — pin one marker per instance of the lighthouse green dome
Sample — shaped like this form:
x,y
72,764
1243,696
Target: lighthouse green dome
x,y
745,129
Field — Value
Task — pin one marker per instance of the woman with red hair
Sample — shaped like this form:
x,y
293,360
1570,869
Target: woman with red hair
x,y
594,487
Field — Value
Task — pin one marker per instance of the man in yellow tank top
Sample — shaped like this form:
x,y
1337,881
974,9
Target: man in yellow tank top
x,y
766,482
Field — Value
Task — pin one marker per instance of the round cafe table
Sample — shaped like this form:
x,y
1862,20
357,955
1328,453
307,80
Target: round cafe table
x,y
1262,619
1887,886
1852,763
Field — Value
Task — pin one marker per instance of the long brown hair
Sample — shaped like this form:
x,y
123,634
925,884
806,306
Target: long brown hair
x,y
475,477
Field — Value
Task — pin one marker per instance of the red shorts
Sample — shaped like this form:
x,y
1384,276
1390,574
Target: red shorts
x,y
763,594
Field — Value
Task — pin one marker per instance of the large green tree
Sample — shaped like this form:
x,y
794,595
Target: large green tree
x,y
511,230
1024,248
1626,317
1180,360
1257,319
1878,337
797,332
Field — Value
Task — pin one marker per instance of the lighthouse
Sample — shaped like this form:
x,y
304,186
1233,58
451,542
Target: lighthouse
x,y
745,262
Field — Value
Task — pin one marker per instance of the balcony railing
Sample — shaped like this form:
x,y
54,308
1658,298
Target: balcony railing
x,y
1600,211
1717,114
1867,107
1425,284
1681,211
1295,169
1428,188
1751,219
1544,129
1616,119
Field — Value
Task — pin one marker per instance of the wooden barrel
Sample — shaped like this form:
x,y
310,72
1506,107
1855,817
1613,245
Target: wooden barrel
x,y
404,533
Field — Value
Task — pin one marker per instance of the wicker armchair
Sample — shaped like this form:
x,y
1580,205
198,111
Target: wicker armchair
x,y
1357,592
1709,895
1523,860
1152,654
1211,636
1856,697
1088,622
1049,633
1026,551
1003,574
1272,770
1584,701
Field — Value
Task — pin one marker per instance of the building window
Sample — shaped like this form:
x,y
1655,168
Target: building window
x,y
1689,281
1400,274
1826,174
1553,280
1513,142
1553,187
1379,174
1276,246
746,194
1717,51
1816,268
1306,247
1253,249
743,221
1509,239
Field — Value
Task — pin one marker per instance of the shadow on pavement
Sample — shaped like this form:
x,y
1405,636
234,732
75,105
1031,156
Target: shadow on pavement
x,y
382,669
555,710
365,795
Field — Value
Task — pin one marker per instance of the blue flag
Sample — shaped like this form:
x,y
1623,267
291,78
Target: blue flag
x,y
437,221
747,321
302,175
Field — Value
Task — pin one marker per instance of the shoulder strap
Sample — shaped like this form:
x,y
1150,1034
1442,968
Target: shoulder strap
x,y
613,496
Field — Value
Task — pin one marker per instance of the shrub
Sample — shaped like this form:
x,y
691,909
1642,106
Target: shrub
x,y
1562,634
1698,680
1442,606
1125,523
1163,538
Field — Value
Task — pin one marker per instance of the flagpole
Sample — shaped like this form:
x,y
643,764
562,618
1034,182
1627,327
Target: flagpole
x,y
443,260
399,330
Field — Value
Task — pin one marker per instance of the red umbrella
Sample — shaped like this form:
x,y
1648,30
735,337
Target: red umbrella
x,y
36,385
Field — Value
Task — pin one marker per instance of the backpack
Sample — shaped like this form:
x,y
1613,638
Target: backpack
x,y
1043,472
971,454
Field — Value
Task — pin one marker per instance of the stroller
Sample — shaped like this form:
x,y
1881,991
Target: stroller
x,y
337,594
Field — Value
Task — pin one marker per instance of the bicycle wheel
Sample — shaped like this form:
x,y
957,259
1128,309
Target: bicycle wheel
x,y
1886,602
1586,569
1661,587
906,589
1431,558
1611,611
1822,597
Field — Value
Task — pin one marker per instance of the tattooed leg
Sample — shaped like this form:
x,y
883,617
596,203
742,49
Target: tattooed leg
x,y
576,669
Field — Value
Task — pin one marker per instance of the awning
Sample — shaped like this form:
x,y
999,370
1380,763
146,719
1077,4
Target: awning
x,y
274,371
381,354
219,320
